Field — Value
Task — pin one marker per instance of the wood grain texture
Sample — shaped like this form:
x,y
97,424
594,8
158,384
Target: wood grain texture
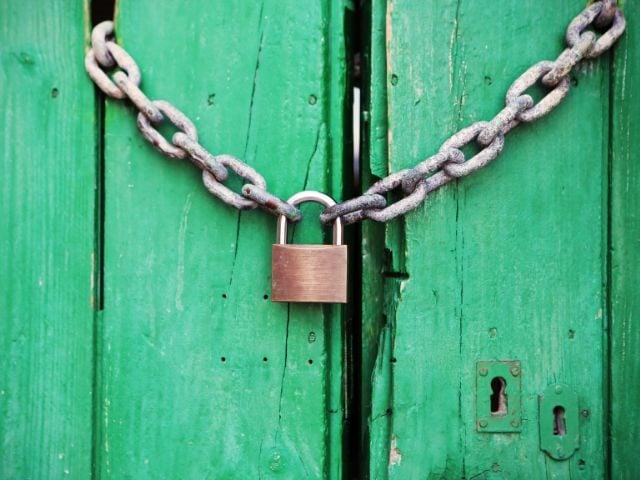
x,y
375,338
507,264
625,252
202,376
47,170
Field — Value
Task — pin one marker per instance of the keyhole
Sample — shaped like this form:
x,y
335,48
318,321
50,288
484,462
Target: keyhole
x,y
498,397
559,423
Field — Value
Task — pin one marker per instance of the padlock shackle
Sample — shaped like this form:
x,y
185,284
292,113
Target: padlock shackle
x,y
311,196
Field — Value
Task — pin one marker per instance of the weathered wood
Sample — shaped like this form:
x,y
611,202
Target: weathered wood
x,y
625,252
197,373
375,338
504,265
202,376
47,169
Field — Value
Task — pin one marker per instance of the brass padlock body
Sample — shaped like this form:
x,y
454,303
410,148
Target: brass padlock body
x,y
309,273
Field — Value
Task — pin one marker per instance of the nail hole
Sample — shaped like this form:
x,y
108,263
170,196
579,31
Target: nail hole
x,y
394,79
559,422
223,359
310,362
388,411
224,295
265,359
265,296
572,334
574,81
498,398
393,360
488,80
210,99
54,92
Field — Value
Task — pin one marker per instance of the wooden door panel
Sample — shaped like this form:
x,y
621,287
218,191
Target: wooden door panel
x,y
506,264
47,242
202,376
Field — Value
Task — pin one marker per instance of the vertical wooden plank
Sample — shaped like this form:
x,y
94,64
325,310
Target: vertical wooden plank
x,y
47,170
204,377
375,406
625,251
505,264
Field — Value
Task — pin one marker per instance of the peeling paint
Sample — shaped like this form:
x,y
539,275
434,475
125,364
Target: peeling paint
x,y
184,223
395,456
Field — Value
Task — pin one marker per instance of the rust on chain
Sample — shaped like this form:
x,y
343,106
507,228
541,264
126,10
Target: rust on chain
x,y
227,195
105,53
528,79
416,183
402,206
102,80
381,187
611,36
363,202
435,172
569,58
271,203
506,118
430,165
200,156
175,116
605,17
137,97
600,15
431,184
101,33
480,159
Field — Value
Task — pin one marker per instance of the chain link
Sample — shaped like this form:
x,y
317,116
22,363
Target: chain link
x,y
450,163
414,184
105,54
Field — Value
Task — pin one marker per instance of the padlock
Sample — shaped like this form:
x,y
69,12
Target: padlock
x,y
309,273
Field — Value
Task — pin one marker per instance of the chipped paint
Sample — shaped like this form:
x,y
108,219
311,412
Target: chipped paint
x,y
395,456
182,232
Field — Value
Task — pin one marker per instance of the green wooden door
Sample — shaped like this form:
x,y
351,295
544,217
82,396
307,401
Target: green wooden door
x,y
138,337
529,260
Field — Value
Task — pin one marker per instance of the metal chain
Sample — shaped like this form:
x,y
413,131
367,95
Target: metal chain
x,y
415,183
105,54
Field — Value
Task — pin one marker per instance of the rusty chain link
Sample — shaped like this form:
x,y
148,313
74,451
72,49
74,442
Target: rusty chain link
x,y
414,184
450,163
105,54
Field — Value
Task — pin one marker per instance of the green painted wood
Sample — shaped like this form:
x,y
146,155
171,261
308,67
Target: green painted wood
x,y
374,404
508,264
47,170
201,375
625,252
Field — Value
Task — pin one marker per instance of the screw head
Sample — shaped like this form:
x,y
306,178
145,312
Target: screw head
x,y
483,423
515,423
558,388
560,453
515,371
483,371
585,413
